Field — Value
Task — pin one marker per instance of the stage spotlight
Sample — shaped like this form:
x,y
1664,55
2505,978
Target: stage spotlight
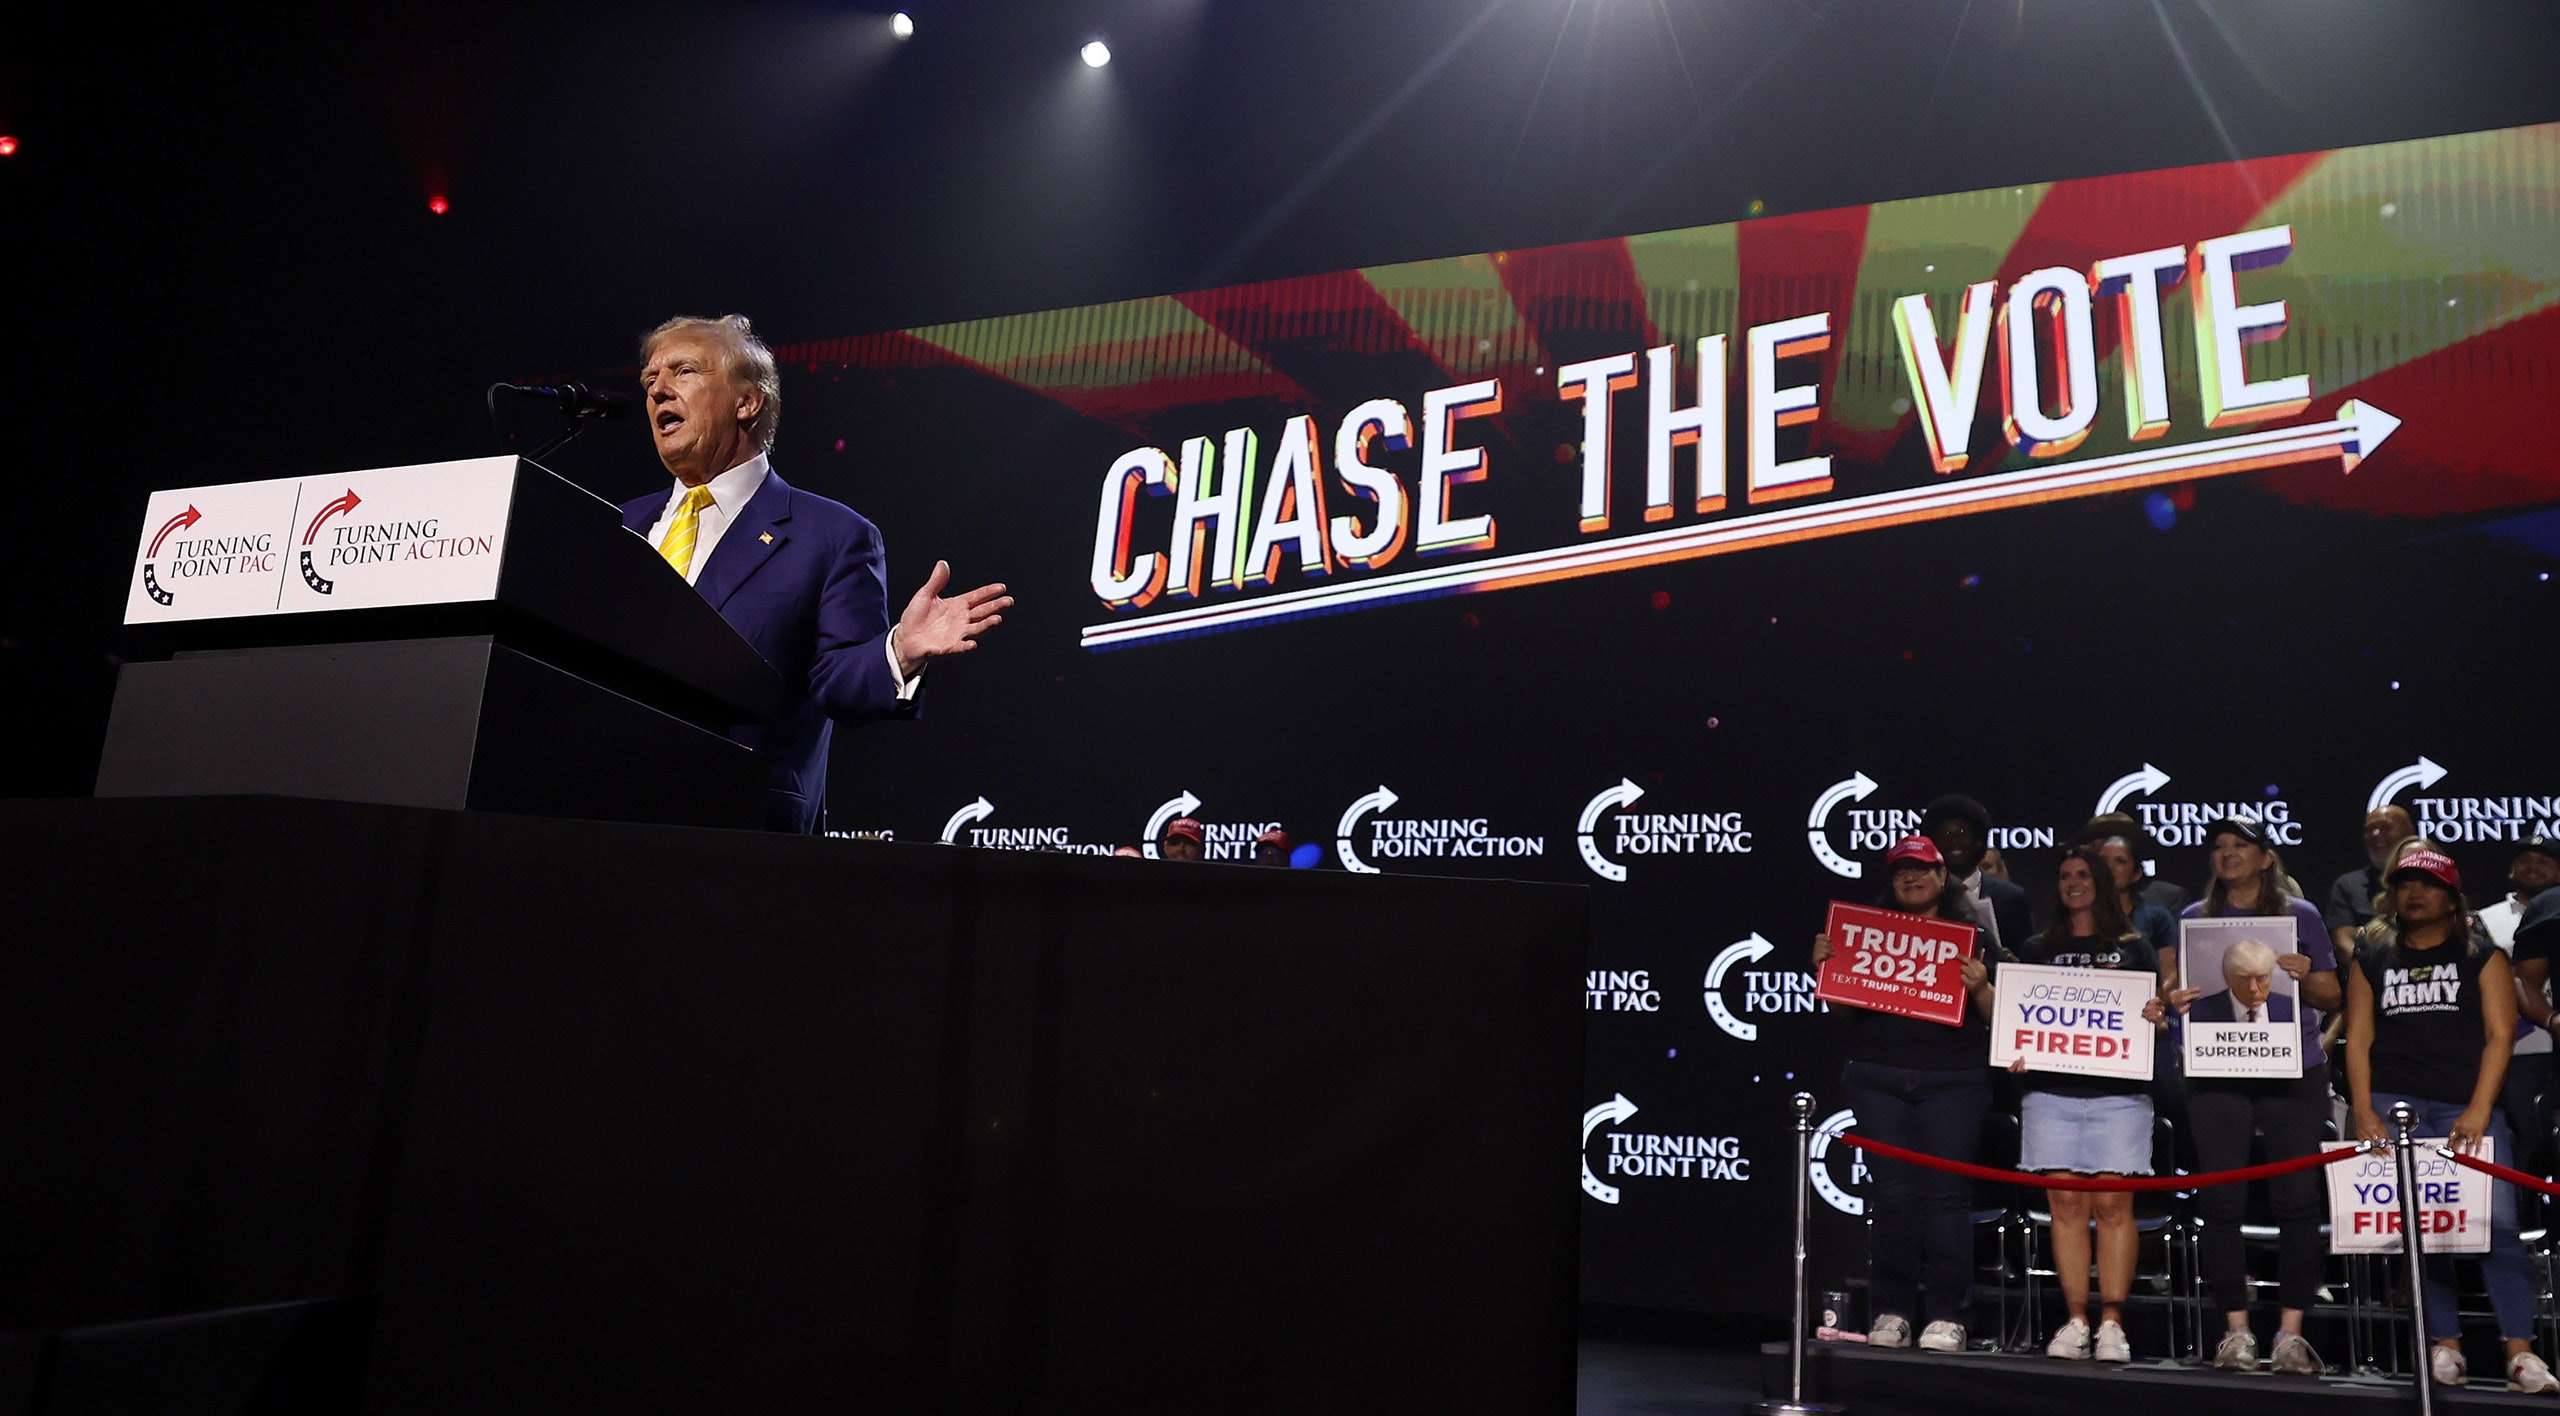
x,y
1097,54
902,24
437,205
8,146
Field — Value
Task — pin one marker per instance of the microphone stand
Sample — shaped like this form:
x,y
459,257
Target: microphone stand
x,y
576,423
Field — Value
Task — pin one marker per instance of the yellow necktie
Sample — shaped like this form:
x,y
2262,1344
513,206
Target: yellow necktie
x,y
678,547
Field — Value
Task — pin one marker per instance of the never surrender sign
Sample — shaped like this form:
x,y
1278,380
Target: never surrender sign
x,y
2087,1021
1887,962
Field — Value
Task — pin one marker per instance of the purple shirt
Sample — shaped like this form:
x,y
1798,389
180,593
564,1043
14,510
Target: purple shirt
x,y
2311,936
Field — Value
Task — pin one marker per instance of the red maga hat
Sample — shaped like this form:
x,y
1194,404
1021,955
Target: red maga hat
x,y
1186,827
2434,865
1919,848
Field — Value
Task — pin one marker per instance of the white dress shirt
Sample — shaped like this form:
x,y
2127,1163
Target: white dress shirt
x,y
2500,920
730,493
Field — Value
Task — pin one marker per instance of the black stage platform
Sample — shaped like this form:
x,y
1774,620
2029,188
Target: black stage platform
x,y
406,1110
1877,1383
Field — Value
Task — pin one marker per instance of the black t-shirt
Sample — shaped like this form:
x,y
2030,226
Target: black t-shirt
x,y
2428,1029
2537,933
2087,951
1892,1040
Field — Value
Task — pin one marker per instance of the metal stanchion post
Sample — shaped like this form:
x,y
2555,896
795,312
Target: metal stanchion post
x,y
1795,1404
2404,1128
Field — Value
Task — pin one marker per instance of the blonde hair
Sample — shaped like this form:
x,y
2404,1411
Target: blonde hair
x,y
745,359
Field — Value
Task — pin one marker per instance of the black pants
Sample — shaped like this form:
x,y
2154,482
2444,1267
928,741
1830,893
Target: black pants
x,y
2290,1114
1920,1221
2528,1076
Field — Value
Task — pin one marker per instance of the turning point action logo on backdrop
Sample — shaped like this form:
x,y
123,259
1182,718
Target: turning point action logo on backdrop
x,y
1354,535
1012,838
1652,1157
1416,838
1761,990
1652,833
1874,830
2466,820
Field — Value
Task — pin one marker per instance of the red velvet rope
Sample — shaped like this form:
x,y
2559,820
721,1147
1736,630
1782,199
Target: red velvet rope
x,y
2129,1182
2491,1167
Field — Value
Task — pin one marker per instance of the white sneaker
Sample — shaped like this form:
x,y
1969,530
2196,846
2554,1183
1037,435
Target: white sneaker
x,y
2113,1345
1942,1336
2070,1341
2294,1356
2530,1374
2447,1366
2238,1352
1889,1331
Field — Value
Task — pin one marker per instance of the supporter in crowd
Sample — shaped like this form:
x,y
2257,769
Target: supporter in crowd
x,y
2532,868
1128,851
2431,1015
1272,848
1961,829
2356,896
2154,889
2081,1125
1995,865
2157,924
2249,879
1923,1086
2535,936
1183,839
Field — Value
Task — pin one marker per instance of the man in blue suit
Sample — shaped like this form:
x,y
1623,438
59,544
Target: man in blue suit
x,y
2249,968
798,576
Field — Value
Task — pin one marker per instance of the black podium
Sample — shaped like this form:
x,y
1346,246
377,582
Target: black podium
x,y
504,644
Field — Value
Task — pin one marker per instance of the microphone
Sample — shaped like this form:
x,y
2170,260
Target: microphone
x,y
574,400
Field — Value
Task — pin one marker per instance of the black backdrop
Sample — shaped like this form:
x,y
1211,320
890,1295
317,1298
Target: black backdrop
x,y
228,271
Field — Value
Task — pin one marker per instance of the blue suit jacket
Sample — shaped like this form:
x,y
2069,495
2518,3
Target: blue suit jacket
x,y
803,579
2216,1008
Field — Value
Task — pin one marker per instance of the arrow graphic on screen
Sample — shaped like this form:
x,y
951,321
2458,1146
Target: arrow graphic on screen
x,y
1857,788
2421,773
348,502
978,810
1615,1111
1378,800
1624,794
2150,779
1751,950
188,517
1182,805
2350,437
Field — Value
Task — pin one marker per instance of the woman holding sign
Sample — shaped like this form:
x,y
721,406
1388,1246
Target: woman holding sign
x,y
2290,1111
1924,1086
2073,1124
2431,1016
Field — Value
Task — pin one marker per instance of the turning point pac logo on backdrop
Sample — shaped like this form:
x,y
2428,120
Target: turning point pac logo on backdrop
x,y
2464,820
1838,1170
1638,1156
2183,823
1651,833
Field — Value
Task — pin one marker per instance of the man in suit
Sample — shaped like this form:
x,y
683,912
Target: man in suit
x,y
2249,968
798,576
1960,827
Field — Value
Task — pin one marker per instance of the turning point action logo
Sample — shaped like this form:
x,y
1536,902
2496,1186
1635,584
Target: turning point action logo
x,y
1461,837
1011,838
1653,833
1649,1157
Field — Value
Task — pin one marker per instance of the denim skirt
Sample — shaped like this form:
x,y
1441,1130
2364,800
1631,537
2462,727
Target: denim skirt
x,y
2090,1135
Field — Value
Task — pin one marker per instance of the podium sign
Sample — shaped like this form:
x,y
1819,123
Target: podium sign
x,y
426,535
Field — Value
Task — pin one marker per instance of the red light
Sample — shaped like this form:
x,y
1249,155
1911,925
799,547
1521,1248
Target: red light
x,y
8,146
436,205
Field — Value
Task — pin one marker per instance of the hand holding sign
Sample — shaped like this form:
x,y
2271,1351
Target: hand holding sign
x,y
1887,962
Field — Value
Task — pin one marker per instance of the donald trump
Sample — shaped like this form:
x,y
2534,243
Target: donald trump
x,y
2249,972
800,577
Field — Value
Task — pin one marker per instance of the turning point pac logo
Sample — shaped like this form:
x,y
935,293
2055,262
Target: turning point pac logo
x,y
1655,1157
1652,833
2465,820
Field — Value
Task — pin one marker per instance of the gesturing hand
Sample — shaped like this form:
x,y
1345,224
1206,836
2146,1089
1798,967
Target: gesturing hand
x,y
934,626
